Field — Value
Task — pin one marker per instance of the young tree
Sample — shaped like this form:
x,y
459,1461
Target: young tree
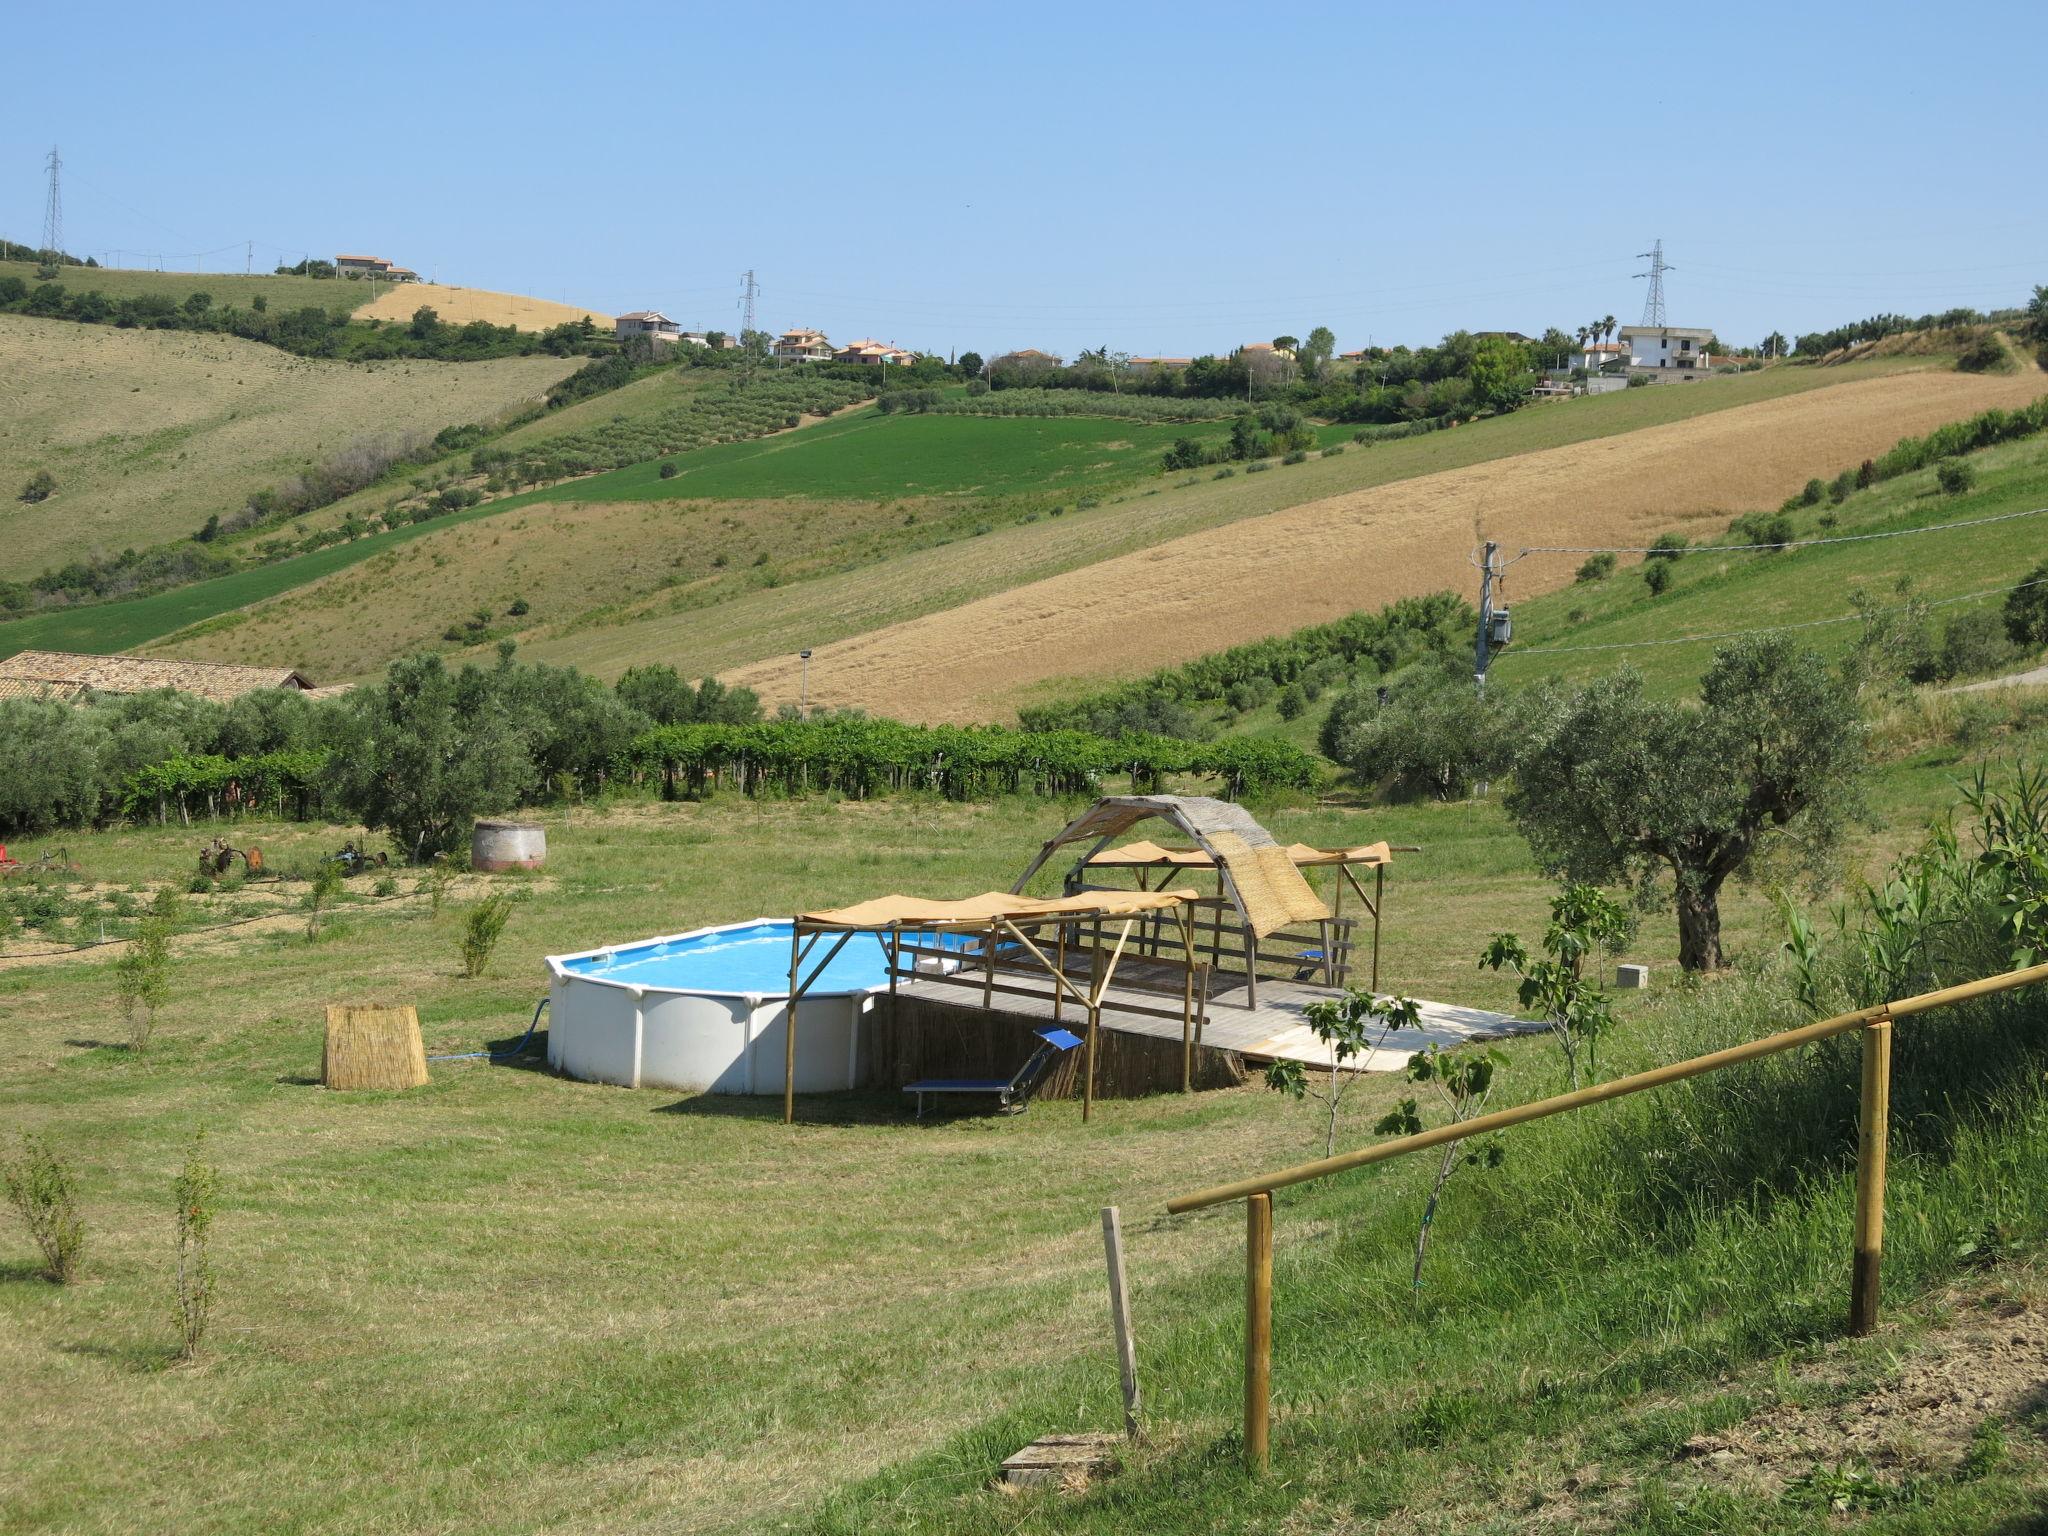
x,y
1582,920
1315,353
969,365
142,978
43,1192
2026,609
1462,1082
194,1191
1353,1027
1612,785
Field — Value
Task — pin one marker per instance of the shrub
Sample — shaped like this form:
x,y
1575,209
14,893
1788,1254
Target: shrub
x,y
1333,450
1186,453
1639,381
1973,642
1667,546
326,885
1954,476
1430,738
1656,576
481,930
1258,466
1987,354
1597,568
40,1187
1298,456
1866,475
40,487
1224,473
1772,530
1293,702
669,471
520,608
1810,495
142,978
195,1191
2026,610
1840,487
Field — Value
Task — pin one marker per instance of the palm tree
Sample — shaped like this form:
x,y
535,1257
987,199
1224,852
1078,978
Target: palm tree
x,y
1607,325
1582,338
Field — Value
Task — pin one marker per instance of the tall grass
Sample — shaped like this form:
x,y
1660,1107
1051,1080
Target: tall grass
x,y
1649,1246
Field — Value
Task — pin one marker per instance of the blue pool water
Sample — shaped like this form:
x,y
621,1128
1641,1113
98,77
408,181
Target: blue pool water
x,y
750,959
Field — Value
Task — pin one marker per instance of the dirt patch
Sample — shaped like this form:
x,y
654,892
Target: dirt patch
x,y
1318,561
459,306
1990,1365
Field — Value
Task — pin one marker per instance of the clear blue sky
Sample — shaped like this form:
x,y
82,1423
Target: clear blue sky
x,y
1164,179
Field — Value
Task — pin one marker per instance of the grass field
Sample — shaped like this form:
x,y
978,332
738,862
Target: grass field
x,y
149,432
1326,557
460,306
513,1303
822,578
338,296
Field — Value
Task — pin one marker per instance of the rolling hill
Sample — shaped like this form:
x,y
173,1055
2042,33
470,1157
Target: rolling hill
x,y
149,432
459,306
826,537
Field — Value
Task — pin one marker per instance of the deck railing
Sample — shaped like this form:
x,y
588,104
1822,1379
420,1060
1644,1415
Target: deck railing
x,y
1873,1121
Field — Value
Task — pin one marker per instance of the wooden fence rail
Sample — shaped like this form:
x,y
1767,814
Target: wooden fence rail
x,y
1872,1128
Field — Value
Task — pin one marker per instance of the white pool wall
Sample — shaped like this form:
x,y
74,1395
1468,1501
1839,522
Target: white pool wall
x,y
606,1031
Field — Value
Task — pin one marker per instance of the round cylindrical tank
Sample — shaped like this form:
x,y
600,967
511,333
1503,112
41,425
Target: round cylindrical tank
x,y
496,845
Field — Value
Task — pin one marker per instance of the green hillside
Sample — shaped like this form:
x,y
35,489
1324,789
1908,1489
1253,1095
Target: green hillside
x,y
820,591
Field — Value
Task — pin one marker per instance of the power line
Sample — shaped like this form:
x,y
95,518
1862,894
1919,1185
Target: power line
x,y
1771,629
1711,549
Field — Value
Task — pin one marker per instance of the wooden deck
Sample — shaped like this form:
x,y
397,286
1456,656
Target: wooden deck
x,y
1275,1029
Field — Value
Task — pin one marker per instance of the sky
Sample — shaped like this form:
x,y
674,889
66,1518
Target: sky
x,y
1158,179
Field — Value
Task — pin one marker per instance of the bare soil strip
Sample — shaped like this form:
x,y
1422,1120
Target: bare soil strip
x,y
1320,560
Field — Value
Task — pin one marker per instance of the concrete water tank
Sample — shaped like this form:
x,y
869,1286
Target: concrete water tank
x,y
496,845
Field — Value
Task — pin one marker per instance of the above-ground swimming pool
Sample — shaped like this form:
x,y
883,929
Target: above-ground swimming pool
x,y
706,1010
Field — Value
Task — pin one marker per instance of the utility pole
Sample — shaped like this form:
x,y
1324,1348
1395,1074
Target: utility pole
x,y
53,210
1482,654
753,292
803,707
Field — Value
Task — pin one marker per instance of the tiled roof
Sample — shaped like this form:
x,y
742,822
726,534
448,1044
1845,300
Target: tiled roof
x,y
67,674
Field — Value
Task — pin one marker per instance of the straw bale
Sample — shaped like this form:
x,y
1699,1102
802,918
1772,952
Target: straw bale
x,y
371,1045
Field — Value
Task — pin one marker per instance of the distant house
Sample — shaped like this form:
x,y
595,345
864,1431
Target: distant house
x,y
374,266
1667,346
724,343
1257,349
650,323
875,354
1596,355
1157,364
803,345
73,676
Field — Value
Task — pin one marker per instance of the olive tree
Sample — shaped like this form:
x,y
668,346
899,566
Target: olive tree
x,y
428,752
1613,785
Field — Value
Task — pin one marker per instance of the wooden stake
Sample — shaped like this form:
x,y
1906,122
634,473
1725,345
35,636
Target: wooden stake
x,y
1258,1330
1379,892
1088,1068
789,1036
1120,1315
1872,1130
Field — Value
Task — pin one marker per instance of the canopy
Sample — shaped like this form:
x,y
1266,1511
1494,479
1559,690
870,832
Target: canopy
x,y
1144,855
1258,875
990,907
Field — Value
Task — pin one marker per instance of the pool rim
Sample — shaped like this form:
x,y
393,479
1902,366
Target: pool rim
x,y
559,971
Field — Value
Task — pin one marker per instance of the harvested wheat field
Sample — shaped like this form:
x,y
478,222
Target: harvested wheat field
x,y
149,432
1322,559
459,306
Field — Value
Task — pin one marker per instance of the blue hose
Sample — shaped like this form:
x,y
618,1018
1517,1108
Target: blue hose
x,y
517,1050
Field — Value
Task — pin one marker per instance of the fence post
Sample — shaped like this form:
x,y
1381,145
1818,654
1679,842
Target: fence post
x,y
1873,1128
1120,1316
1258,1328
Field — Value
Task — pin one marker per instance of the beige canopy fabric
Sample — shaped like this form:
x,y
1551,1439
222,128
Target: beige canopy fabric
x,y
992,906
1146,855
1258,875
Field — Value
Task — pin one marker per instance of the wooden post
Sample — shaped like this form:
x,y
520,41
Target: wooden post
x,y
1379,899
1873,1126
1120,1315
1258,1329
1059,991
1187,1027
1088,1068
789,1035
988,979
895,960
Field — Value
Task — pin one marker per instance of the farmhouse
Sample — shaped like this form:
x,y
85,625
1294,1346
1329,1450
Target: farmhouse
x,y
650,323
803,345
1667,346
1596,355
1156,364
73,676
374,266
873,353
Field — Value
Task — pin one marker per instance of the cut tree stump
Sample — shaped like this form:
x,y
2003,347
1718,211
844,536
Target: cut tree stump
x,y
371,1045
1069,1461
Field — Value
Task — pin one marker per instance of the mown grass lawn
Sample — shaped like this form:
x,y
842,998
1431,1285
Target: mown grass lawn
x,y
508,1302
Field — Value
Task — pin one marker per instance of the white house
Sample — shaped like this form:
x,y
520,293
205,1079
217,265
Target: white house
x,y
651,323
803,345
1667,346
1596,355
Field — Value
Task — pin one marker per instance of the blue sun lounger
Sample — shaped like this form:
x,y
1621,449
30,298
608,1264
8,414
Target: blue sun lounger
x,y
1013,1093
